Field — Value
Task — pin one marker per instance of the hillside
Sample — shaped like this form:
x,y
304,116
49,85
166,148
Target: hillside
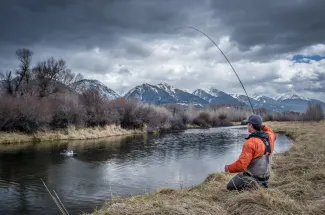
x,y
86,84
214,96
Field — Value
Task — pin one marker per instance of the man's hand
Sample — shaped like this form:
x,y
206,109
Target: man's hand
x,y
226,168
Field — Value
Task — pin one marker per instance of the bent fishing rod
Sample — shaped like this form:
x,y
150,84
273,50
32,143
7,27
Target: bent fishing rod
x,y
182,27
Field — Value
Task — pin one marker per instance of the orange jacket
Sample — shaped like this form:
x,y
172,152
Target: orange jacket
x,y
252,148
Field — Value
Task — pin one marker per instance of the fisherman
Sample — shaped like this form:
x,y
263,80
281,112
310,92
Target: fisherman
x,y
254,163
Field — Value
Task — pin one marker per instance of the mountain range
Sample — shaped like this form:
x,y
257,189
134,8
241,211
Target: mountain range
x,y
163,93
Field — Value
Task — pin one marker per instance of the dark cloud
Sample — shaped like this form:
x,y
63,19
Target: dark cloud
x,y
124,71
277,26
320,76
316,90
87,22
314,81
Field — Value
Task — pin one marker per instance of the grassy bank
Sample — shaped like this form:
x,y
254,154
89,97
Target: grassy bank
x,y
71,133
297,185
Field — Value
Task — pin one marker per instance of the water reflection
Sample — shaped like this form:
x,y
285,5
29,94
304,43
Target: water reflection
x,y
118,166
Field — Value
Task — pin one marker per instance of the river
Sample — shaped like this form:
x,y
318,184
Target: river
x,y
119,166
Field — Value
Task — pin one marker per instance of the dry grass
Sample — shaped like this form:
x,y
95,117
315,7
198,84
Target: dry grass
x,y
297,185
70,133
236,123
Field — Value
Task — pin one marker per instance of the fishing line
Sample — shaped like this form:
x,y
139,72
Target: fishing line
x,y
182,27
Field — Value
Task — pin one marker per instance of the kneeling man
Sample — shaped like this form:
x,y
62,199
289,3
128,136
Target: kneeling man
x,y
254,163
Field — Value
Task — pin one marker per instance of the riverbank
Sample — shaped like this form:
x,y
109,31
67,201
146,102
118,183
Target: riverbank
x,y
297,185
70,133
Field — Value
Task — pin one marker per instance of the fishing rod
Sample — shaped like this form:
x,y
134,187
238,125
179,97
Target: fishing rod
x,y
181,27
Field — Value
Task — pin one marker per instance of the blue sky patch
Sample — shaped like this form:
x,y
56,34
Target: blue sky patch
x,y
306,59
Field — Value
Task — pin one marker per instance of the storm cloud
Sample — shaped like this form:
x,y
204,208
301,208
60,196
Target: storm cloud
x,y
276,26
126,43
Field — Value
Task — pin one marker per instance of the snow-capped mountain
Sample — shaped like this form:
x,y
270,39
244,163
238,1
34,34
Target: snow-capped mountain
x,y
243,98
222,96
296,102
264,99
292,95
216,96
181,96
260,101
87,84
163,94
150,94
168,88
204,95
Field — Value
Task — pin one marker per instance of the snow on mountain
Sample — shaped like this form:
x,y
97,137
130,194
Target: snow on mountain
x,y
255,96
236,96
260,101
297,102
216,97
292,95
88,84
263,99
216,92
182,96
150,94
222,97
204,95
242,98
169,89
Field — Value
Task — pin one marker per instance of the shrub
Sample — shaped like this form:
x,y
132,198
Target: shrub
x,y
199,121
26,114
203,119
222,116
68,114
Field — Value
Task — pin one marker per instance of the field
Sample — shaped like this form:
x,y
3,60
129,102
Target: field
x,y
297,184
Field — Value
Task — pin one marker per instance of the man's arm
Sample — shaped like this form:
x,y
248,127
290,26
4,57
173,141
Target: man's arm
x,y
270,132
244,159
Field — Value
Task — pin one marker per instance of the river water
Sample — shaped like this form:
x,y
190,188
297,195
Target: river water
x,y
116,166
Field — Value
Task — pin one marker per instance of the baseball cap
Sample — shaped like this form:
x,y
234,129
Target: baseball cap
x,y
255,120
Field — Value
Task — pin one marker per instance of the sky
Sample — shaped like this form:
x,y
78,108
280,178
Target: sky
x,y
275,46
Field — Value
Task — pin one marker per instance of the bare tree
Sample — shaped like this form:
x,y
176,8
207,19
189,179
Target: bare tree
x,y
23,73
6,82
68,78
51,74
92,98
47,74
